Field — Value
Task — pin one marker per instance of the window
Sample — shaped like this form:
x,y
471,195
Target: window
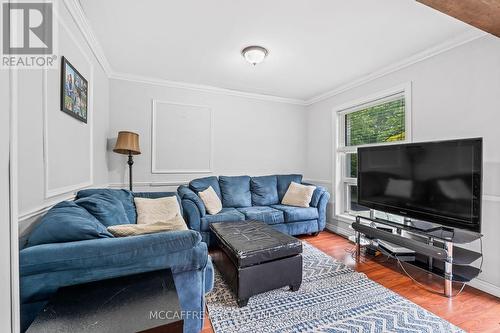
x,y
383,119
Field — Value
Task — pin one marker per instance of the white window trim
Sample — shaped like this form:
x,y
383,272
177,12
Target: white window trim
x,y
338,179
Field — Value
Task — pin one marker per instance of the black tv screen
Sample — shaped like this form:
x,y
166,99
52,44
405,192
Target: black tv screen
x,y
438,182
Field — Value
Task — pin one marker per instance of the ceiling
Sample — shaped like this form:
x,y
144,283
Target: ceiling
x,y
315,45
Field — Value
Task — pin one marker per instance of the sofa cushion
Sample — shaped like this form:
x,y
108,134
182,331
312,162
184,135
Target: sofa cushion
x,y
298,195
225,215
106,208
201,184
235,191
126,230
126,198
263,213
293,214
212,202
156,210
67,222
264,190
284,182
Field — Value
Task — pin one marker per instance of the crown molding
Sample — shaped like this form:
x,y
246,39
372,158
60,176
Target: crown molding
x,y
82,22
421,56
76,11
204,88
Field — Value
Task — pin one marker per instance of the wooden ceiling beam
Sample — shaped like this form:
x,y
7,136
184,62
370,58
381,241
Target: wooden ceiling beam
x,y
482,14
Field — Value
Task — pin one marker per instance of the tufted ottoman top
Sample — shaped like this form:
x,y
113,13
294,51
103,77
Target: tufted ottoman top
x,y
249,243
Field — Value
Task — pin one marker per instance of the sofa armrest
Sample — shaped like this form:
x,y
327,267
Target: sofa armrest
x,y
185,193
191,215
320,200
322,206
178,250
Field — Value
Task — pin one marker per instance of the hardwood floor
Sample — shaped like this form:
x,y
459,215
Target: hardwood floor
x,y
472,310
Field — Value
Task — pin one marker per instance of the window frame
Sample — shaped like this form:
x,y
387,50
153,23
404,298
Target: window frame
x,y
340,150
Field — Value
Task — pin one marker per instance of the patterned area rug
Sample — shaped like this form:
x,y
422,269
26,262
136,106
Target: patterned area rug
x,y
332,298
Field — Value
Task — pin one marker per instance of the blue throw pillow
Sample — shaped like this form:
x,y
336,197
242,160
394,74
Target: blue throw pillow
x,y
235,191
106,208
67,222
264,190
201,184
126,198
284,182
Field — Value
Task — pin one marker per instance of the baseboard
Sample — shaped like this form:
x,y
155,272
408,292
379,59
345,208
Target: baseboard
x,y
485,286
339,227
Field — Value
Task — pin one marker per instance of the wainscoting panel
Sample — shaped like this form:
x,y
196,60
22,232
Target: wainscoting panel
x,y
181,138
67,142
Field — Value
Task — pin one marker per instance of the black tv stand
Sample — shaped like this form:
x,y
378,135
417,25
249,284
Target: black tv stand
x,y
434,246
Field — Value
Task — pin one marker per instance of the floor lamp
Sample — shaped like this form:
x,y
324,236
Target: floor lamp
x,y
128,144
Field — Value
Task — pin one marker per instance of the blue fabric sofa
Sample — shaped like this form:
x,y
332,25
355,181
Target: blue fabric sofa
x,y
46,266
253,198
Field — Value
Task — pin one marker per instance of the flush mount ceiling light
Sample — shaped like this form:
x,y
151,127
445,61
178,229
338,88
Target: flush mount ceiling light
x,y
254,54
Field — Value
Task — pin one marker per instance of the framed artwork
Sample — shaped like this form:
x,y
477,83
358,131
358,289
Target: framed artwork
x,y
74,92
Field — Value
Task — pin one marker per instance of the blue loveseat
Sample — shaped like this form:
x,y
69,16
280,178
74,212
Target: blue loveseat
x,y
45,267
253,198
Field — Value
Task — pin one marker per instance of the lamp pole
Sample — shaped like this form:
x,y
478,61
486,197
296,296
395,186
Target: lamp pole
x,y
130,163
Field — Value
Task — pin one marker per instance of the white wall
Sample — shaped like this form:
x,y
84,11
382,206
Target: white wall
x,y
250,136
58,154
455,94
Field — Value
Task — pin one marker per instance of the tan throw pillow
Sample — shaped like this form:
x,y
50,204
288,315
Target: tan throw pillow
x,y
211,201
156,210
123,230
298,195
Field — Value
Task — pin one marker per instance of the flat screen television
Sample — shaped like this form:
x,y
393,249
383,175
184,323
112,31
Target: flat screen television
x,y
438,182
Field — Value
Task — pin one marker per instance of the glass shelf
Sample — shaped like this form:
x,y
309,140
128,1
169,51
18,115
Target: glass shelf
x,y
458,236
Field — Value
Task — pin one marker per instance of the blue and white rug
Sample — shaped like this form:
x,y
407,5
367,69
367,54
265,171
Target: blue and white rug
x,y
332,298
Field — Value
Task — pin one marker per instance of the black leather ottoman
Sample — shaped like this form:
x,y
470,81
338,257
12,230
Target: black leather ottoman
x,y
254,258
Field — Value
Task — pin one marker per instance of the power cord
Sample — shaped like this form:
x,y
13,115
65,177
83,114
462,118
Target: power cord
x,y
431,290
352,252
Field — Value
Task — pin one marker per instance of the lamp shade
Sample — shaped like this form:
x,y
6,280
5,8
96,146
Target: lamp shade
x,y
127,142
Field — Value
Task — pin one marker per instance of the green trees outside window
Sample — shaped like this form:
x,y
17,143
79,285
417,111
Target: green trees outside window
x,y
376,124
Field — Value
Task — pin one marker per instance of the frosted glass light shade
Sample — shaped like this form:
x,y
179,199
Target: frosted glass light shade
x,y
254,54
